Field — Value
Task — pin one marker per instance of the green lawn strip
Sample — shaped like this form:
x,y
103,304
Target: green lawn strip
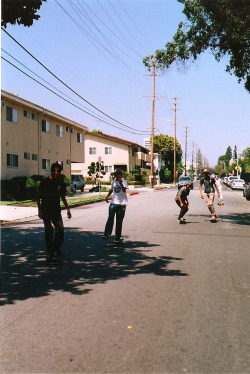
x,y
71,200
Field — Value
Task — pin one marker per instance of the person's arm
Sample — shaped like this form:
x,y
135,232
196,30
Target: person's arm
x,y
66,205
38,201
109,193
124,188
200,189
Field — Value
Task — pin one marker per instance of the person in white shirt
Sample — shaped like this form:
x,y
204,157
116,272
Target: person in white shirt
x,y
117,206
219,186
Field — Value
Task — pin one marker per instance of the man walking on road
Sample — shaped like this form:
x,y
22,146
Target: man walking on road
x,y
50,191
209,192
117,206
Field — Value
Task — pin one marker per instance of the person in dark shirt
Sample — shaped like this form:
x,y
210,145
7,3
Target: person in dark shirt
x,y
209,192
182,201
50,191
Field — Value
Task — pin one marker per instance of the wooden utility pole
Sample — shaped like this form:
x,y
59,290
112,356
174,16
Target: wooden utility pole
x,y
186,151
152,124
175,109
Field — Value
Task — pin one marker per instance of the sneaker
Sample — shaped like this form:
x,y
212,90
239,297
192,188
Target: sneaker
x,y
182,219
178,219
213,218
105,237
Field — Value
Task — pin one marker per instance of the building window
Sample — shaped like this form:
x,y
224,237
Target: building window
x,y
59,131
70,129
26,156
79,137
34,157
67,162
108,169
12,160
26,114
34,116
108,150
45,126
92,150
45,164
11,114
3,104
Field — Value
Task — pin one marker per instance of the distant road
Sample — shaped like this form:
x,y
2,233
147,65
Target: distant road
x,y
175,299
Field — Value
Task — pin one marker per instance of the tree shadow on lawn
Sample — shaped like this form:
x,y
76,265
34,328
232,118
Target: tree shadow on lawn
x,y
87,260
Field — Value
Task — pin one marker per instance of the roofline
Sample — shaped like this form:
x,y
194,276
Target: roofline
x,y
119,140
39,109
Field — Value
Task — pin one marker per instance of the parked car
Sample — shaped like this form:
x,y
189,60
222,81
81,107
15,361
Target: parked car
x,y
78,182
237,184
225,179
230,179
246,191
185,180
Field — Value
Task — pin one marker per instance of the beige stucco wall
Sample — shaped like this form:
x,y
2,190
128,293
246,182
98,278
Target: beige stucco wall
x,y
26,136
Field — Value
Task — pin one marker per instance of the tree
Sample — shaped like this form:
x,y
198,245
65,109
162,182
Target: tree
x,y
221,26
228,155
22,12
164,145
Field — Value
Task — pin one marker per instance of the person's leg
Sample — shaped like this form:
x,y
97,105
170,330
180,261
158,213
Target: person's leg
x,y
179,205
121,209
184,210
48,233
59,233
210,203
110,221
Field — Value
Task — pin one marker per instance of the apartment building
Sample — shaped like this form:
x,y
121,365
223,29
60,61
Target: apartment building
x,y
33,138
113,152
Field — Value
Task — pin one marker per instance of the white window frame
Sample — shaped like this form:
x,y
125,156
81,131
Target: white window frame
x,y
79,137
26,113
92,151
47,164
45,126
108,150
59,131
13,113
12,160
34,116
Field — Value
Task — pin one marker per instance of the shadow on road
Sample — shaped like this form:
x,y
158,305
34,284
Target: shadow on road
x,y
234,218
87,260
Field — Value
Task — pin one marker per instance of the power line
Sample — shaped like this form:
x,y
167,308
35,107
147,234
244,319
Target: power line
x,y
100,119
99,110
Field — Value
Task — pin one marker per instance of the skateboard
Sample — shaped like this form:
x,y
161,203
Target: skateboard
x,y
117,244
54,261
182,222
213,220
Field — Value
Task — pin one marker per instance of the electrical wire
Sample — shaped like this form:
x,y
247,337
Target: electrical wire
x,y
99,110
98,118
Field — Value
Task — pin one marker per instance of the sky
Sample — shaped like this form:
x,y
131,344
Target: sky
x,y
96,48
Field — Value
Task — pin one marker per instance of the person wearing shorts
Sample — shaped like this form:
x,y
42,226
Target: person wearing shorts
x,y
209,191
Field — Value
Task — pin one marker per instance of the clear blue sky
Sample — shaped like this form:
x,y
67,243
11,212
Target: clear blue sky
x,y
97,46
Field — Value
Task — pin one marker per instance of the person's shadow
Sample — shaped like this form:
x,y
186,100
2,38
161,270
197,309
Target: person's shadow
x,y
87,260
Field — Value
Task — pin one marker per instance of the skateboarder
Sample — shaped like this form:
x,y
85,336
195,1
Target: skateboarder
x,y
117,206
182,201
50,191
209,192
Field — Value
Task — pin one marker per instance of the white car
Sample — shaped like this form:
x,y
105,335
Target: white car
x,y
230,180
238,184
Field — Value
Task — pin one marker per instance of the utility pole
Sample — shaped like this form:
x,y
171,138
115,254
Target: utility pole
x,y
186,151
175,109
153,120
193,160
152,125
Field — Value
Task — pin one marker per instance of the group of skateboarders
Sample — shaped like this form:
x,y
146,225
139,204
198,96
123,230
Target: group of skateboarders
x,y
210,185
53,189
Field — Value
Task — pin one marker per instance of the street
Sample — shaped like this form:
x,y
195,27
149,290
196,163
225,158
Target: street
x,y
174,299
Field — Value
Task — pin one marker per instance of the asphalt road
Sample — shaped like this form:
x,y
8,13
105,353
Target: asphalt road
x,y
174,299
